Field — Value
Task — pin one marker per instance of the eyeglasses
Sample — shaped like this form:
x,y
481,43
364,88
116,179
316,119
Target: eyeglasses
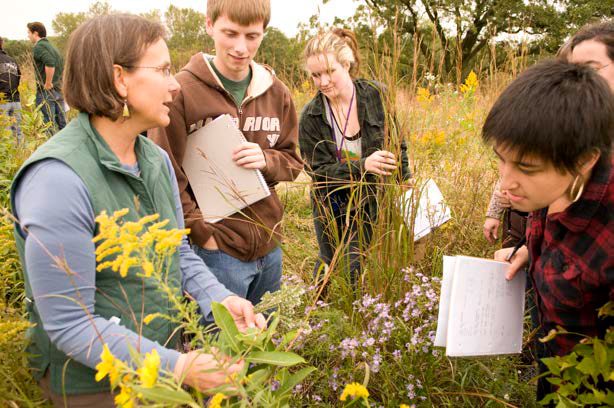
x,y
166,71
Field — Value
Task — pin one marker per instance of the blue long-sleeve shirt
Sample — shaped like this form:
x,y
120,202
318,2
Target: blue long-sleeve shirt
x,y
53,205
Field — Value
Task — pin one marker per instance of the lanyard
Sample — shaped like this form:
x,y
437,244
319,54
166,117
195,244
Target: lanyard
x,y
347,120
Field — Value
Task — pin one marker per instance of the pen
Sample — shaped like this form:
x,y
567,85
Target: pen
x,y
516,248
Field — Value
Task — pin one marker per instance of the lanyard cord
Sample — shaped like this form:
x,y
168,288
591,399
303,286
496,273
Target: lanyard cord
x,y
347,120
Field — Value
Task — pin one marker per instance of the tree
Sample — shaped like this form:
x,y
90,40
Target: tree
x,y
463,29
65,23
283,55
186,28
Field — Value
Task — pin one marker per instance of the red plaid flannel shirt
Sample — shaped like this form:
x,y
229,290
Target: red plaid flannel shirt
x,y
572,262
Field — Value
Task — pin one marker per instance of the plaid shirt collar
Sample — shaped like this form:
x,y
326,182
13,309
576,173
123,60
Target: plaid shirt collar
x,y
578,215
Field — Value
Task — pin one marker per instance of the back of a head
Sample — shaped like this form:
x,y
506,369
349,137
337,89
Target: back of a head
x,y
557,111
243,12
339,42
38,27
93,48
602,32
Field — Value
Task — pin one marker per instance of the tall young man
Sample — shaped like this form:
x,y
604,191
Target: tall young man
x,y
48,68
243,249
9,84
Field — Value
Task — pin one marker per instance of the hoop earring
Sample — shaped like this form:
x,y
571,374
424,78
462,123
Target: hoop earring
x,y
126,111
575,197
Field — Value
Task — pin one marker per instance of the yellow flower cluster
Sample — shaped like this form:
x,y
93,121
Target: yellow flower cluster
x,y
423,95
119,375
125,399
470,85
132,243
148,373
110,366
355,391
433,138
216,400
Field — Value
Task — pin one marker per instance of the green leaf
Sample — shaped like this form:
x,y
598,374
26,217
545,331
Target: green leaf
x,y
253,337
587,366
223,319
288,337
565,402
290,382
276,358
607,309
273,326
601,356
553,365
167,395
257,378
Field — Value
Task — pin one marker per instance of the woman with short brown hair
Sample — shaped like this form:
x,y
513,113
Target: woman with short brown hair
x,y
118,77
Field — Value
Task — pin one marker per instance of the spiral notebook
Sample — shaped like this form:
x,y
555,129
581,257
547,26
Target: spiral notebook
x,y
220,186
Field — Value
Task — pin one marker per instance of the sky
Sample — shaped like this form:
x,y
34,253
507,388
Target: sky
x,y
285,14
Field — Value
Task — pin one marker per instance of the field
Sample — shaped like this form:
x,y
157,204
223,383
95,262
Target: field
x,y
380,333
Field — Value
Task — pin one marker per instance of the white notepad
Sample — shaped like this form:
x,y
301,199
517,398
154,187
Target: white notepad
x,y
480,312
220,186
432,211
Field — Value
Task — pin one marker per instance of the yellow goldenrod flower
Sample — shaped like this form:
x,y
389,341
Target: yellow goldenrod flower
x,y
125,398
148,268
216,400
354,390
471,84
108,365
149,372
148,319
423,95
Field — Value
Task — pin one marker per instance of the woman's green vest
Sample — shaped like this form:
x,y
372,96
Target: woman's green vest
x,y
130,299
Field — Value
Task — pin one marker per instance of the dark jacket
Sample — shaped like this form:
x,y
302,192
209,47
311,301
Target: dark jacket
x,y
318,146
9,77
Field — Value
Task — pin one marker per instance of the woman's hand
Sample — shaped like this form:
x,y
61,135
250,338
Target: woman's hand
x,y
204,371
381,162
242,312
518,261
491,226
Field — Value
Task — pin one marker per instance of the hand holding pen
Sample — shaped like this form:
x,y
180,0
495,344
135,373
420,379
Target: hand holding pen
x,y
517,256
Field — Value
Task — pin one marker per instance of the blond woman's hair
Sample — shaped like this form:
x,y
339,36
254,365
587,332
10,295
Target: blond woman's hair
x,y
243,12
339,42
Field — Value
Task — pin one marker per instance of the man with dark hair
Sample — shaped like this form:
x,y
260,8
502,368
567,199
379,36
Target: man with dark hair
x,y
9,82
552,129
48,66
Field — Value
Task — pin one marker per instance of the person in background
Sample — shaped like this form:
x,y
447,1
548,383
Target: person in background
x,y
594,45
118,77
555,162
48,68
243,250
10,76
342,132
